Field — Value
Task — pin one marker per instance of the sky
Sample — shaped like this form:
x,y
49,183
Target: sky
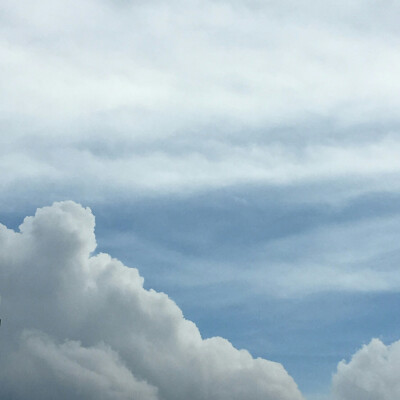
x,y
199,199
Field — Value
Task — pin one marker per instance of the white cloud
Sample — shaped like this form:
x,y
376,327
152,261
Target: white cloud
x,y
185,61
372,374
76,324
184,80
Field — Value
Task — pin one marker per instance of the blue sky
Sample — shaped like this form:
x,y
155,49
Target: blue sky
x,y
243,155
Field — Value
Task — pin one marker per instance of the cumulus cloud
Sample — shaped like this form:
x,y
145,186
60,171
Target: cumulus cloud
x,y
372,373
77,323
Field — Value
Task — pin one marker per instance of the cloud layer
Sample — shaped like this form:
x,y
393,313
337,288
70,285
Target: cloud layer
x,y
177,97
82,325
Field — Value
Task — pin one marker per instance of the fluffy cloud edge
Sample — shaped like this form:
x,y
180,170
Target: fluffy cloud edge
x,y
79,314
371,374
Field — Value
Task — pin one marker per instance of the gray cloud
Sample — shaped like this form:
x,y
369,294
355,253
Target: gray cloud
x,y
372,373
78,324
40,367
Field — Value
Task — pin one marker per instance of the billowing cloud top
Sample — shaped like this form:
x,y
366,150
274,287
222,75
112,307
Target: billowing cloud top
x,y
78,325
372,374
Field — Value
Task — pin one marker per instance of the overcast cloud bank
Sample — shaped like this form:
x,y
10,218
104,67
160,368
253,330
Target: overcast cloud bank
x,y
82,325
178,97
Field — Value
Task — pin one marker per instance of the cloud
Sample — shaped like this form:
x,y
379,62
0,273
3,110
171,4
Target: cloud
x,y
372,373
64,370
190,96
77,323
244,60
